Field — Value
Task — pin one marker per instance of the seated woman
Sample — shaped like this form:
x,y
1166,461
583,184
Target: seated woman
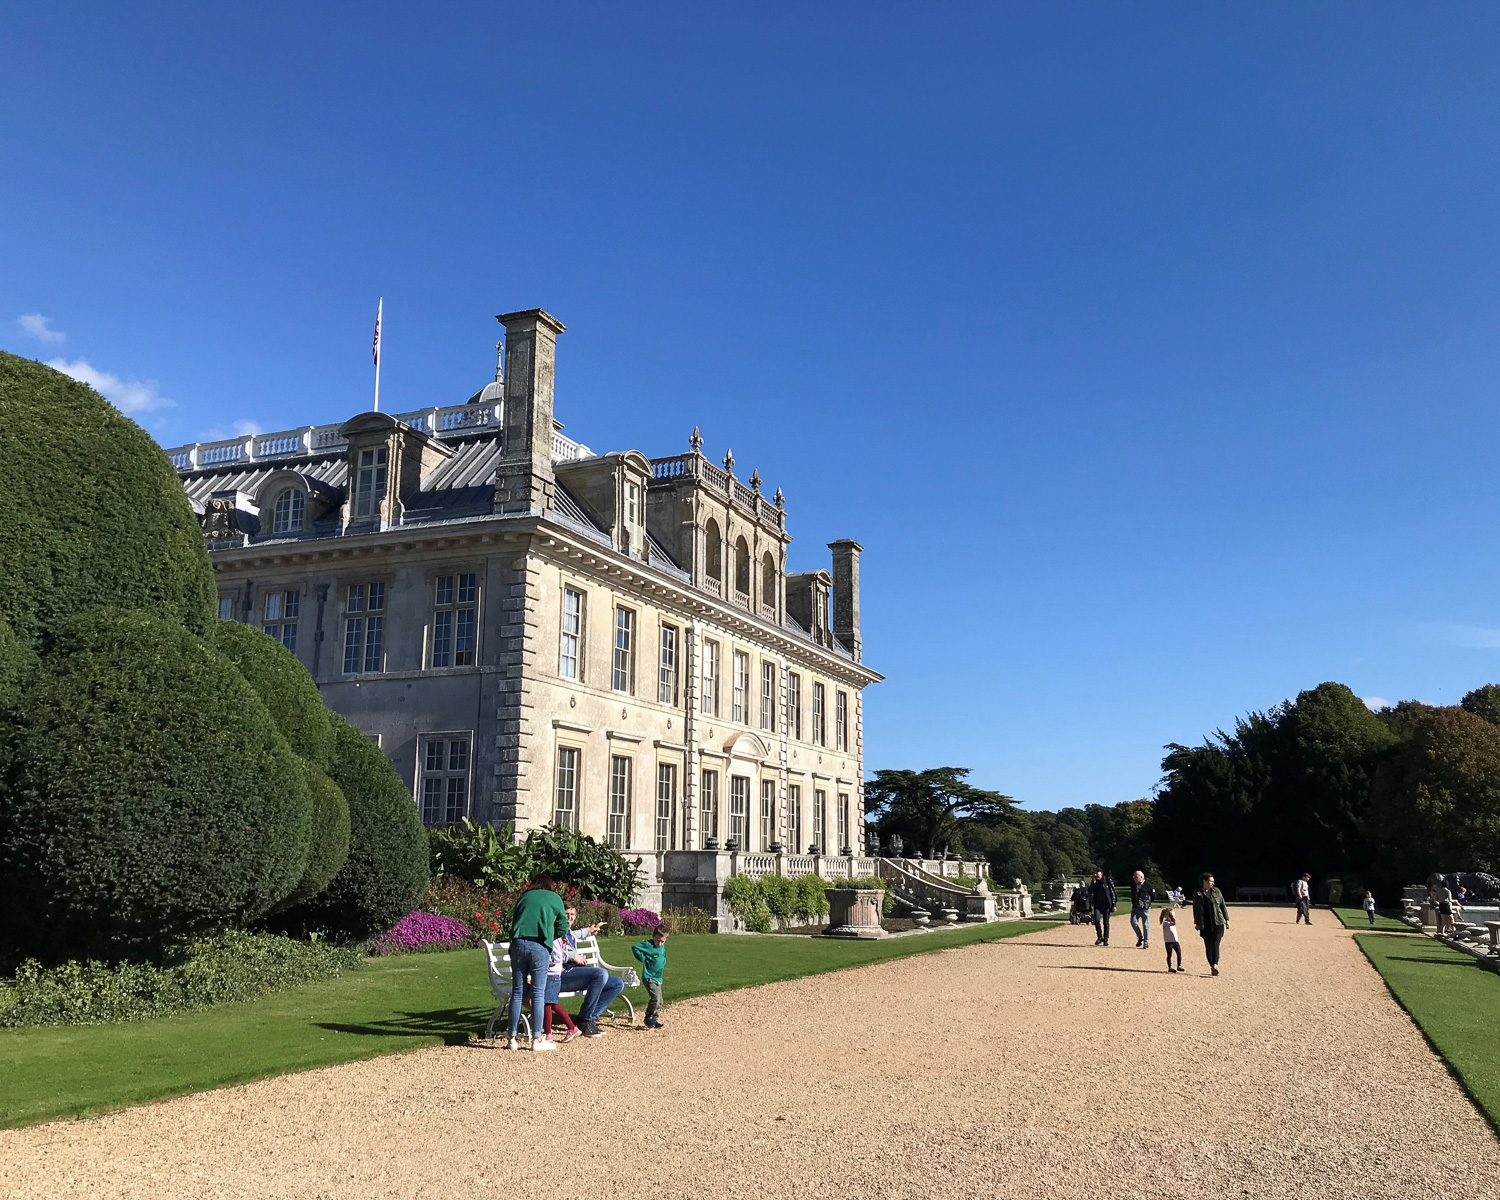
x,y
599,987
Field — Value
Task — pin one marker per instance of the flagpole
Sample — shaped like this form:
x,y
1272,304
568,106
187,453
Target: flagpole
x,y
379,309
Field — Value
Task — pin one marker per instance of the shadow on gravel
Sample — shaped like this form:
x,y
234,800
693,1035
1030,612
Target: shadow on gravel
x,y
1086,967
454,1025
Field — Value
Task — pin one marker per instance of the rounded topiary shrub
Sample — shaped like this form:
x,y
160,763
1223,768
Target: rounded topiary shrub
x,y
150,796
284,686
328,844
91,512
386,873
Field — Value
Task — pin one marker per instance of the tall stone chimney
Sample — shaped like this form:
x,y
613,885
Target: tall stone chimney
x,y
846,554
523,476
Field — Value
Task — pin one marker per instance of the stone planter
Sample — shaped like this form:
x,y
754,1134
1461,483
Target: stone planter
x,y
854,912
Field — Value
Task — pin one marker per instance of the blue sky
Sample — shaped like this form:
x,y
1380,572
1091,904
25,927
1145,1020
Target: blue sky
x,y
1149,350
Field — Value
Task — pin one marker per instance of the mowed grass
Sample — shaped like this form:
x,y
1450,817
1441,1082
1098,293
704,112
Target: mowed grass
x,y
1453,1000
1354,918
387,1006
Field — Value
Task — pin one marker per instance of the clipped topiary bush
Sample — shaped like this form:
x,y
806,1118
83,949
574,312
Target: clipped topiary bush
x,y
328,842
150,795
285,688
385,875
91,511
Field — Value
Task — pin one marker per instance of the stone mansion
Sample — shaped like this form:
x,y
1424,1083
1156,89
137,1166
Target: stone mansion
x,y
534,632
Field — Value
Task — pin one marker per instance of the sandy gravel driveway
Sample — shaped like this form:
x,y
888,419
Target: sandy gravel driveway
x,y
1038,1066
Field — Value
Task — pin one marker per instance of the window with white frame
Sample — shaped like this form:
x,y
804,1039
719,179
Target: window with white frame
x,y
843,821
768,696
741,685
666,806
618,827
708,807
666,682
280,616
369,482
794,817
767,813
820,819
443,759
633,516
624,675
364,628
711,678
794,704
841,721
226,608
570,658
565,796
819,726
455,620
287,512
739,810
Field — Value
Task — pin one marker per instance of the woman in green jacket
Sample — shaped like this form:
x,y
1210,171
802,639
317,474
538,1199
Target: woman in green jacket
x,y
1211,918
535,923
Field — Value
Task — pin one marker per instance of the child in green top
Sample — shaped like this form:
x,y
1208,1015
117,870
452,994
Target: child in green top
x,y
653,957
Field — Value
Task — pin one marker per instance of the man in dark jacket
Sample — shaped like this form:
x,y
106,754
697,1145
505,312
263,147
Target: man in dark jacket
x,y
1102,898
1141,896
1211,918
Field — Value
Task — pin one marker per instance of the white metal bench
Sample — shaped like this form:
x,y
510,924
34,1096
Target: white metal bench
x,y
497,956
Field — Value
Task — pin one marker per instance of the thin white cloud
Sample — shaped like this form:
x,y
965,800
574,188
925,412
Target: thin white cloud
x,y
34,325
1375,703
130,396
1469,637
247,428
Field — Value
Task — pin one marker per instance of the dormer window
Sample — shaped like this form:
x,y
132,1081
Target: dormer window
x,y
288,511
369,482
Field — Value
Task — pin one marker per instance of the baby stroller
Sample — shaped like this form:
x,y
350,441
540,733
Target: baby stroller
x,y
1080,913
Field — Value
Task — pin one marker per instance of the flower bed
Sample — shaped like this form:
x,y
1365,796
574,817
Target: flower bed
x,y
421,931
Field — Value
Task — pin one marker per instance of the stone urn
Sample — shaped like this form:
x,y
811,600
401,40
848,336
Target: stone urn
x,y
854,912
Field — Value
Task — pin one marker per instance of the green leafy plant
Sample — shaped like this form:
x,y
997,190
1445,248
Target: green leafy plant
x,y
232,967
480,853
745,898
781,895
813,903
599,870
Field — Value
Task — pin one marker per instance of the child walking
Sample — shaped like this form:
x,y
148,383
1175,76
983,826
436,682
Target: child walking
x,y
653,957
554,993
1169,939
1370,908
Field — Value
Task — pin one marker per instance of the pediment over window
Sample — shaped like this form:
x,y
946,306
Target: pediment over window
x,y
747,745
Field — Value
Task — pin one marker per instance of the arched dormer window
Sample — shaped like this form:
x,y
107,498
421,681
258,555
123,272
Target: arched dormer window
x,y
768,580
288,511
742,567
713,550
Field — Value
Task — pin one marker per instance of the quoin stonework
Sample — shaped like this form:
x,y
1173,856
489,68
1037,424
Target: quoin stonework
x,y
538,633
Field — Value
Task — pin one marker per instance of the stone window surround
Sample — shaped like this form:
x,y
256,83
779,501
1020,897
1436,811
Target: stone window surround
x,y
429,629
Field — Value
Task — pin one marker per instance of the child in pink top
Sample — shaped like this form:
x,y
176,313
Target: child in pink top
x,y
1169,938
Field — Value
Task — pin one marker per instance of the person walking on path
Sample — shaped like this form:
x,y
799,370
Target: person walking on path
x,y
1141,896
1370,908
1304,899
1211,918
1169,936
652,953
1102,897
537,921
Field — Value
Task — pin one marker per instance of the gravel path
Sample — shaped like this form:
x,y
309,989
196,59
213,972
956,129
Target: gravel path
x,y
1038,1066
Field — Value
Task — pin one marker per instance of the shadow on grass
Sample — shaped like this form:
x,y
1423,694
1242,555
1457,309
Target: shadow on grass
x,y
455,1026
1435,962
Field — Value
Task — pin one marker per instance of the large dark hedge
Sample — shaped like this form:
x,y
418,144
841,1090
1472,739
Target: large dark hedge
x,y
328,845
17,663
150,795
285,688
91,511
386,873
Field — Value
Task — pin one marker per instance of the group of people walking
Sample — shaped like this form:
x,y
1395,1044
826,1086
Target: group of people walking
x,y
545,962
1210,916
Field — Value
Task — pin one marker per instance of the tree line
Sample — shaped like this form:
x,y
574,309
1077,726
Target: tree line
x,y
1319,783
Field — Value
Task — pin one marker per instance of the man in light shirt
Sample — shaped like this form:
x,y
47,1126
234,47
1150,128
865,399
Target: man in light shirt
x,y
1304,899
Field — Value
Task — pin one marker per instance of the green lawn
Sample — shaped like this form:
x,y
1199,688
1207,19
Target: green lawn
x,y
1354,918
389,1005
1453,1000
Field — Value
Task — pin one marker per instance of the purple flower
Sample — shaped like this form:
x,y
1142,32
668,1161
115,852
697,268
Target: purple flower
x,y
638,919
422,931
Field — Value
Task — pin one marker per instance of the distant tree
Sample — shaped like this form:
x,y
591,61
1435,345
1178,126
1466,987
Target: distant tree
x,y
927,809
1483,702
1435,804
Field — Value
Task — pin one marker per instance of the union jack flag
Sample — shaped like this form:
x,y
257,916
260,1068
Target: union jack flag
x,y
376,349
